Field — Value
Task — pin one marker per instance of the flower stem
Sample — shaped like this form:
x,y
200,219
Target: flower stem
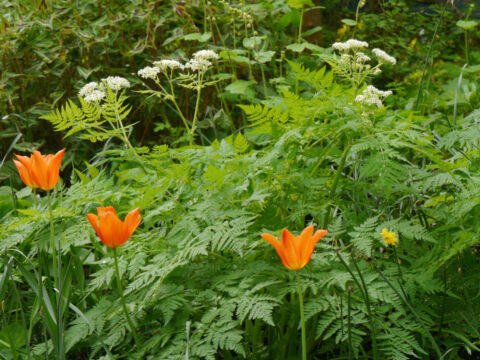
x,y
120,290
302,318
197,105
52,238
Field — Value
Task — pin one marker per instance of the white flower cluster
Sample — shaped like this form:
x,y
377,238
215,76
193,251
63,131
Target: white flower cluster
x,y
165,65
92,92
116,83
372,96
383,57
201,60
149,72
205,54
351,44
362,58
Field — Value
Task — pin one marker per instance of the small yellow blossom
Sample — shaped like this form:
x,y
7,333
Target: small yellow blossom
x,y
389,238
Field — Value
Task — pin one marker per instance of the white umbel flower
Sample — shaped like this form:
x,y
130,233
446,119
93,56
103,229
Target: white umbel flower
x,y
205,55
149,72
372,96
355,45
383,57
198,64
88,89
95,96
164,65
362,58
116,83
341,47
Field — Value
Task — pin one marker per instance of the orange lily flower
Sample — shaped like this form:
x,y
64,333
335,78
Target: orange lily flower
x,y
112,231
295,251
40,171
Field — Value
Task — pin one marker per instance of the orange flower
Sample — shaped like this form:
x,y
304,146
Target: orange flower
x,y
295,251
112,231
40,171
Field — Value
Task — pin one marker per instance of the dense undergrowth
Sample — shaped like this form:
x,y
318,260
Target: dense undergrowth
x,y
271,128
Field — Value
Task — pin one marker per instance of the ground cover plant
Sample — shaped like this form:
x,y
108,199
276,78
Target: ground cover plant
x,y
282,179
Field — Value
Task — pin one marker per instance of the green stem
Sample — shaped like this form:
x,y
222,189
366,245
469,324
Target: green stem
x,y
52,239
302,318
414,313
122,128
350,347
467,55
197,105
120,290
363,290
335,181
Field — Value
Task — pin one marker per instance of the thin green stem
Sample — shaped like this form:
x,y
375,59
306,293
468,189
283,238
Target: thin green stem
x,y
120,290
427,59
414,313
52,239
333,189
302,318
369,310
363,290
350,347
197,105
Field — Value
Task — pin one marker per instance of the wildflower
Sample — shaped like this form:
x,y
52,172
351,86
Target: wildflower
x,y
362,58
383,57
205,54
389,238
112,231
116,83
372,96
199,64
163,65
88,89
149,72
342,47
40,171
295,251
355,45
95,96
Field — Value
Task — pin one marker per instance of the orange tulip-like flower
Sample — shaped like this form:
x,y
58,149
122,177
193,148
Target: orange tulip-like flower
x,y
295,251
40,171
112,231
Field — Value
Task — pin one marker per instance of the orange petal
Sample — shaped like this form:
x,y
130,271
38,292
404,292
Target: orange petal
x,y
53,165
103,211
303,242
292,258
112,229
39,171
272,240
132,220
25,174
310,245
94,221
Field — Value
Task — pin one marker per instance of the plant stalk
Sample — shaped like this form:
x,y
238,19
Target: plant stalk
x,y
302,318
120,290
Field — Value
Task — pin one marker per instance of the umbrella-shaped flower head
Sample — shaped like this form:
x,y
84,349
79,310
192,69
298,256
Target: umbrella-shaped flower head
x,y
295,251
112,231
40,171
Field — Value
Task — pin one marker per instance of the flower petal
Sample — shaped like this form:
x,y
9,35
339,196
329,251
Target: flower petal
x,y
25,175
292,258
53,165
272,240
39,170
112,229
310,245
132,220
94,221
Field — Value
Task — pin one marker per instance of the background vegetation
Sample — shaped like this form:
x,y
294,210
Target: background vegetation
x,y
278,142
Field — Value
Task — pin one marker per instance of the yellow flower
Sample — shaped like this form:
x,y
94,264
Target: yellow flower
x,y
389,238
